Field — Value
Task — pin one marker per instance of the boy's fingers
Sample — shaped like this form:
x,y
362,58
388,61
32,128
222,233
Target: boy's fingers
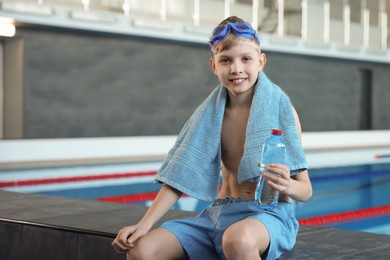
x,y
137,234
120,243
119,247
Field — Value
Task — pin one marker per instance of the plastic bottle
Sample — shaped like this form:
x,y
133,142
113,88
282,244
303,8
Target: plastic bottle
x,y
272,152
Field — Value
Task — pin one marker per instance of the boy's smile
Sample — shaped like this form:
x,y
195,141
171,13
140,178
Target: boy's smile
x,y
238,67
237,81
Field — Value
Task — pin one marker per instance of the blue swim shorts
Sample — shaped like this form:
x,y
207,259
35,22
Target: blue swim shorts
x,y
201,236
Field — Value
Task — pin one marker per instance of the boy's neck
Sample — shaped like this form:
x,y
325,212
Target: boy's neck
x,y
243,100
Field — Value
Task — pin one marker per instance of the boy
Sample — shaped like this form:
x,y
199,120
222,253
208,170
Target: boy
x,y
227,131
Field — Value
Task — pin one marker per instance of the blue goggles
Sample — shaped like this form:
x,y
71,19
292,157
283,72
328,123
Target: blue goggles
x,y
239,29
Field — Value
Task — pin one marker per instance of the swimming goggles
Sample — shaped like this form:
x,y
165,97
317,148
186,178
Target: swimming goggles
x,y
239,29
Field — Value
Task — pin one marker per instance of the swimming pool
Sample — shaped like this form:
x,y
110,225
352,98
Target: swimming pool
x,y
348,197
350,172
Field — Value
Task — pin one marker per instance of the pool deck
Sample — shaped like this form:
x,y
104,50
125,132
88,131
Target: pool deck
x,y
43,227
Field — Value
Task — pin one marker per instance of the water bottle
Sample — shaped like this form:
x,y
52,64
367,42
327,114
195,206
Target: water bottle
x,y
273,151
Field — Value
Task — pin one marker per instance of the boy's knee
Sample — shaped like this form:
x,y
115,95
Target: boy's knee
x,y
135,254
233,241
140,252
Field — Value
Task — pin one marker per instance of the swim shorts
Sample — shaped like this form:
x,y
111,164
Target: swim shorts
x,y
201,236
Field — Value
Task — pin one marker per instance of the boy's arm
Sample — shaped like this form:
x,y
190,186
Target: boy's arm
x,y
164,201
301,189
297,187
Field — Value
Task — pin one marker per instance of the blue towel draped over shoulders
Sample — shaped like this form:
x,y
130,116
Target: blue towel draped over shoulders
x,y
193,164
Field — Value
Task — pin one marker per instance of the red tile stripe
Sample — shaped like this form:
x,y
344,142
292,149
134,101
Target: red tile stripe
x,y
31,182
132,198
348,216
382,156
139,197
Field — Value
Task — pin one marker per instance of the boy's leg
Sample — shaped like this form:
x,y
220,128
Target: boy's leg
x,y
157,244
245,239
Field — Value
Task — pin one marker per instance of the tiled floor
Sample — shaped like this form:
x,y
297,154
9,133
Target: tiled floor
x,y
89,226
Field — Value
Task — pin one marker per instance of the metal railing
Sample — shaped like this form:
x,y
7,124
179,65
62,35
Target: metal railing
x,y
349,22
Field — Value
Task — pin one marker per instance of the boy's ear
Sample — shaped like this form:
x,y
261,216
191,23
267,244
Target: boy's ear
x,y
262,61
212,65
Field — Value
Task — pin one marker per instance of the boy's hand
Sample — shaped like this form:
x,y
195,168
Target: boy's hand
x,y
127,236
280,180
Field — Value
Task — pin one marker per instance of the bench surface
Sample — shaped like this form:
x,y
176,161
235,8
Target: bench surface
x,y
89,226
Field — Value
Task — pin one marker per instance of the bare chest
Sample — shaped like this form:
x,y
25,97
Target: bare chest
x,y
233,137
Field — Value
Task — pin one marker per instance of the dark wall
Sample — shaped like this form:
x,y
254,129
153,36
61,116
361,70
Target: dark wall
x,y
327,92
79,84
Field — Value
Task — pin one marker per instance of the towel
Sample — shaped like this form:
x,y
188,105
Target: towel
x,y
193,164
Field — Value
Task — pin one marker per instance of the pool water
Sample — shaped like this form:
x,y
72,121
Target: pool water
x,y
336,190
350,189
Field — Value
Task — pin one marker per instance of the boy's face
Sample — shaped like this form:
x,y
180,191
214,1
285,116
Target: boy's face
x,y
238,67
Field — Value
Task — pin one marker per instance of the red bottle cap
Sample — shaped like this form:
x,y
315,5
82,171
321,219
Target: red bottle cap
x,y
276,132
